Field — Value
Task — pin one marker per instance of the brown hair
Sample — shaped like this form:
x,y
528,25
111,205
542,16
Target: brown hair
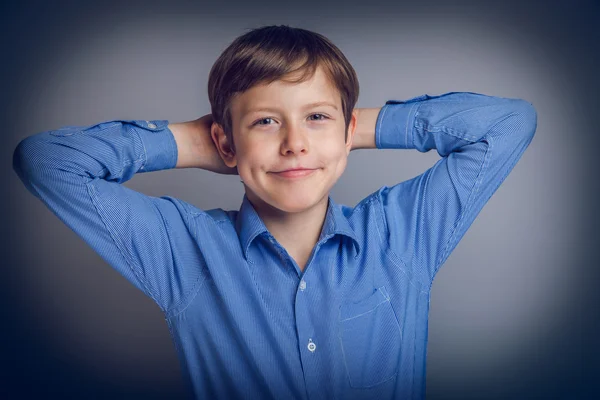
x,y
269,53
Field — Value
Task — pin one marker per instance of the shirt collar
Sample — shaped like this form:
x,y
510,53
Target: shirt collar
x,y
249,225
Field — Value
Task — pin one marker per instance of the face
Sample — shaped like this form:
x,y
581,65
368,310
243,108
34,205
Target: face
x,y
276,127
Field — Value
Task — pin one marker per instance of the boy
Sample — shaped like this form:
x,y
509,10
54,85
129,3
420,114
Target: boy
x,y
292,296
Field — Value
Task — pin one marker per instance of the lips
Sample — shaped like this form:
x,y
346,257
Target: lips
x,y
295,169
295,173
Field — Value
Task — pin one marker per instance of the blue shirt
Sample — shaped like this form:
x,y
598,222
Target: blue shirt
x,y
245,321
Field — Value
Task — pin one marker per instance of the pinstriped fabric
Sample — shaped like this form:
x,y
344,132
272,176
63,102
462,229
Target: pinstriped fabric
x,y
480,139
245,321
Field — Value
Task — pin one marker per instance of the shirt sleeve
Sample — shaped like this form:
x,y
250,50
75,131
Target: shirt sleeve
x,y
480,139
77,172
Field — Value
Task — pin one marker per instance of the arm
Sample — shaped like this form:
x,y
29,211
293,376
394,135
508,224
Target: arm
x,y
480,139
195,147
77,172
364,137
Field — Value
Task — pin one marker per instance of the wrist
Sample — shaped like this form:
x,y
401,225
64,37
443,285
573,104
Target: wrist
x,y
191,138
364,136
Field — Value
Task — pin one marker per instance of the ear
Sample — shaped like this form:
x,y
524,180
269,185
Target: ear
x,y
351,130
222,145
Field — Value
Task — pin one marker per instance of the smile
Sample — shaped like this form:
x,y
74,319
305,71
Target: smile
x,y
295,174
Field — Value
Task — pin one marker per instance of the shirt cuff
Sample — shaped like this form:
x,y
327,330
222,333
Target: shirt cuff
x,y
395,124
159,144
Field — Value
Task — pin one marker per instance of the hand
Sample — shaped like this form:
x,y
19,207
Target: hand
x,y
195,147
212,159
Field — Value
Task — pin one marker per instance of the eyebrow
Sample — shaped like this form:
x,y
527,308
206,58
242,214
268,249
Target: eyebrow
x,y
307,106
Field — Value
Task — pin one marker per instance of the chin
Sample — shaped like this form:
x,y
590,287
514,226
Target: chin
x,y
294,203
289,199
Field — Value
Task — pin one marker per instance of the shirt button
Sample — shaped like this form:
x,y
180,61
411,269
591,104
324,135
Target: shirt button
x,y
302,285
151,125
311,346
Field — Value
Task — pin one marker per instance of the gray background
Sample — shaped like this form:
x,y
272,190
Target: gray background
x,y
513,309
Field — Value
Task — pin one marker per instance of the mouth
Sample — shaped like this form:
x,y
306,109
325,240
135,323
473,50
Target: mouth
x,y
294,173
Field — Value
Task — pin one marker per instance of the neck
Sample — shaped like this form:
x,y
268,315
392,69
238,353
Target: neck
x,y
296,232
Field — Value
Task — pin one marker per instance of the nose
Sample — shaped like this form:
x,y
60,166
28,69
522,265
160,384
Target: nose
x,y
294,140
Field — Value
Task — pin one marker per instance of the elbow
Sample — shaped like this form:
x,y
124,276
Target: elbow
x,y
527,117
28,158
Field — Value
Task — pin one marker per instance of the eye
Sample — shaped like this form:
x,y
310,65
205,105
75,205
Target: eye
x,y
320,119
259,122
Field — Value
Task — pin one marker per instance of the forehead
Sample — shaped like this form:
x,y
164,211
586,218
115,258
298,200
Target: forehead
x,y
287,95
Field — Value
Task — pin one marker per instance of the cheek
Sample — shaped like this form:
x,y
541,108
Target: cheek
x,y
336,160
341,165
335,153
251,164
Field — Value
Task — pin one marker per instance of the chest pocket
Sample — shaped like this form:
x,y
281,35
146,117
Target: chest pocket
x,y
370,339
